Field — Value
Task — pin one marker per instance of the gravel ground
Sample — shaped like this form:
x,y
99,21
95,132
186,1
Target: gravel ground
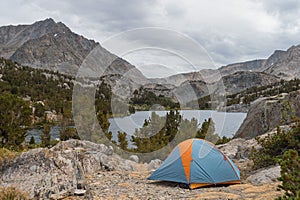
x,y
134,185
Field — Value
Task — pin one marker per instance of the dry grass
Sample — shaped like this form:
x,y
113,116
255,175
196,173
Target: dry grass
x,y
6,156
11,193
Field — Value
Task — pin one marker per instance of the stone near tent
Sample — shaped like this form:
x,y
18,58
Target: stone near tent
x,y
109,151
134,158
231,148
154,164
264,176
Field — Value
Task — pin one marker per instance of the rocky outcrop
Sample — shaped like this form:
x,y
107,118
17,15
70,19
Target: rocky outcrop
x,y
264,176
267,113
237,108
88,170
134,158
61,171
239,148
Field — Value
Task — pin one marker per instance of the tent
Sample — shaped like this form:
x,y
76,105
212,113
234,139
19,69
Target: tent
x,y
197,163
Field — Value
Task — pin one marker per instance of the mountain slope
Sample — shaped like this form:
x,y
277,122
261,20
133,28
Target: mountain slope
x,y
253,65
285,64
62,51
53,46
13,37
50,45
242,80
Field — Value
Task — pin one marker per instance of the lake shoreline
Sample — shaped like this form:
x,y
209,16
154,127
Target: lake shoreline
x,y
129,123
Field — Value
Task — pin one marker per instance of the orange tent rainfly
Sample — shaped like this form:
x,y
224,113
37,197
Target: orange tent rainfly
x,y
197,163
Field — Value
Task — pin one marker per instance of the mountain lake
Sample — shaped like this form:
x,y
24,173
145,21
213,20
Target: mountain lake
x,y
226,123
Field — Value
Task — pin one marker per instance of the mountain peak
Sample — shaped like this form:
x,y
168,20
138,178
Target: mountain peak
x,y
50,26
13,37
52,45
47,21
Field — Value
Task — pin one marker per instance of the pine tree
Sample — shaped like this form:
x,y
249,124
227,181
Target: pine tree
x,y
172,124
32,141
290,175
45,136
157,132
201,133
68,133
15,116
207,131
109,135
122,139
103,121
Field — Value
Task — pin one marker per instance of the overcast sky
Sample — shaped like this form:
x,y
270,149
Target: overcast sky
x,y
228,30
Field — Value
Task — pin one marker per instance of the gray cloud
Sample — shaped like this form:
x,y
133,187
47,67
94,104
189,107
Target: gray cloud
x,y
281,7
230,31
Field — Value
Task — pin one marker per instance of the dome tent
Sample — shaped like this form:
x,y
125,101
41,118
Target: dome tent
x,y
197,163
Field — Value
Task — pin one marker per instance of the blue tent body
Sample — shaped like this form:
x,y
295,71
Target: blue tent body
x,y
197,163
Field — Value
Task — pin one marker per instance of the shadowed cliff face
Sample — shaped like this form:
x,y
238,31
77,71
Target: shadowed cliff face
x,y
267,113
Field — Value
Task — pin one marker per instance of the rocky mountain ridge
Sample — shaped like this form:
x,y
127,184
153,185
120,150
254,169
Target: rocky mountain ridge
x,y
197,88
284,64
280,65
13,37
51,45
237,77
